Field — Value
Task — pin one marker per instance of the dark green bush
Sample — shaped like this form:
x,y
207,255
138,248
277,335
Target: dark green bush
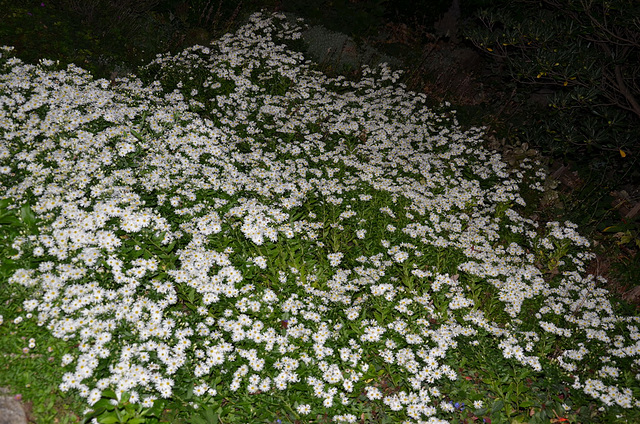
x,y
121,18
582,57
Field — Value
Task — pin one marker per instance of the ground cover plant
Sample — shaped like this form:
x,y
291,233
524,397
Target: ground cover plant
x,y
233,236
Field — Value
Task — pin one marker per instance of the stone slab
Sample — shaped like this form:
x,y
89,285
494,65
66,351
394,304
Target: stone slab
x,y
11,410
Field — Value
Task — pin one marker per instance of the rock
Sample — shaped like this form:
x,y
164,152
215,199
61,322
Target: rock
x,y
340,51
447,26
199,36
11,410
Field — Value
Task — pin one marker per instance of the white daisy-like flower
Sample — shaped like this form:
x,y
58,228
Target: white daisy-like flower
x,y
335,258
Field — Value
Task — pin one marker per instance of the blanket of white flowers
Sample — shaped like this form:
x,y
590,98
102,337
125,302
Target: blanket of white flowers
x,y
274,231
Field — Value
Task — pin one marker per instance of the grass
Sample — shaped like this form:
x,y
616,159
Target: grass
x,y
235,237
22,359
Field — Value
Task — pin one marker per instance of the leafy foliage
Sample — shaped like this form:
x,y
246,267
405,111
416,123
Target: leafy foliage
x,y
585,54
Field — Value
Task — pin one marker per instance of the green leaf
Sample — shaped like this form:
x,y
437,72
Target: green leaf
x,y
9,220
28,217
156,409
109,394
613,229
497,406
524,374
510,390
137,135
103,404
108,419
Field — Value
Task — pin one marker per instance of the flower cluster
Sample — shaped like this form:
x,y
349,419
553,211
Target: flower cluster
x,y
299,235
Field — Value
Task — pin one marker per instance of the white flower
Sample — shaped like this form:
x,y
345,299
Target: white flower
x,y
328,402
303,409
400,256
335,258
373,393
447,406
94,396
353,313
200,389
260,261
372,334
